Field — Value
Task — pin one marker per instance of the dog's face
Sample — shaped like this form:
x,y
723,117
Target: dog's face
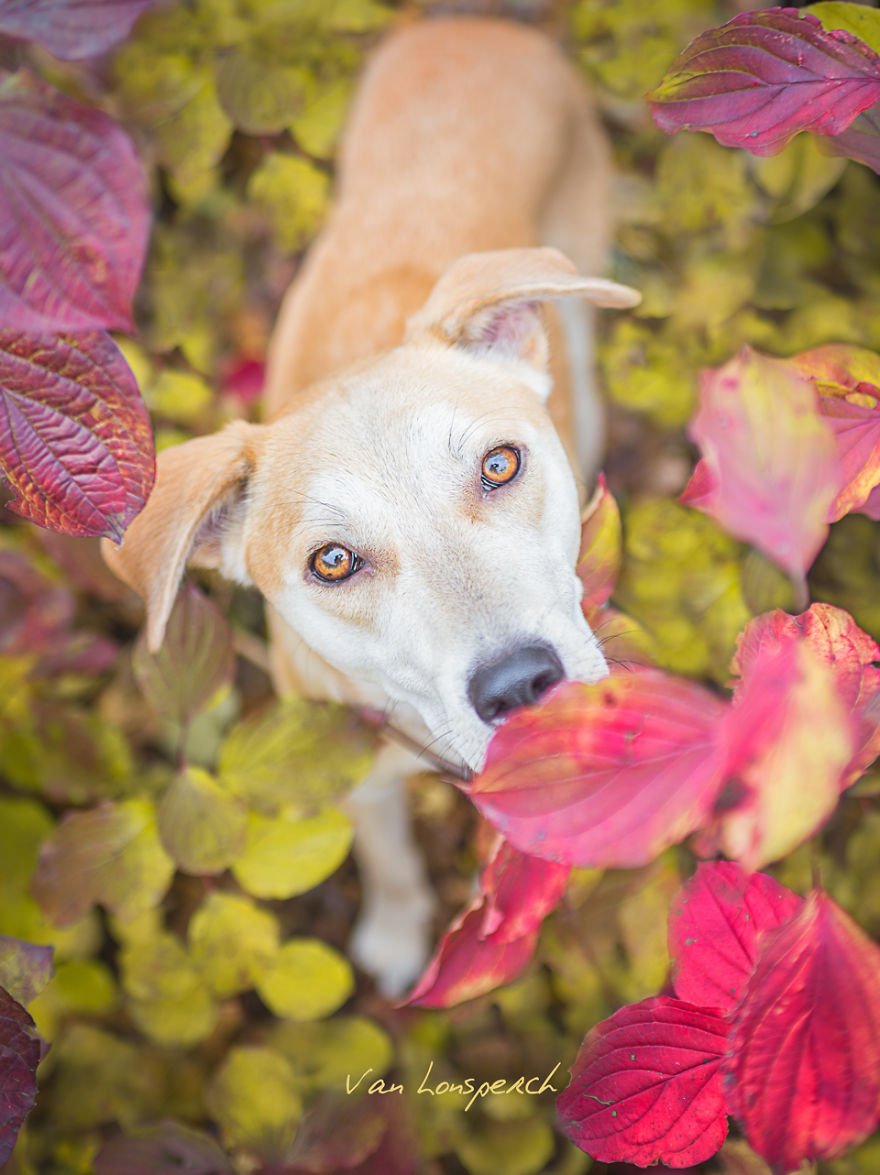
x,y
415,519
424,536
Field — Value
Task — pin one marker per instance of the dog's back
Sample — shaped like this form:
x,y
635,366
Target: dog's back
x,y
466,135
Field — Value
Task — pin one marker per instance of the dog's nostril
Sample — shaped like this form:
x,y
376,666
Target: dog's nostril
x,y
513,680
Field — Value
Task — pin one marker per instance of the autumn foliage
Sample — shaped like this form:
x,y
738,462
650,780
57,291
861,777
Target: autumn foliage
x,y
676,878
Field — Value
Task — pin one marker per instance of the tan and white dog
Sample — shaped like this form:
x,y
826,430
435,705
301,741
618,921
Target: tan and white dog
x,y
409,511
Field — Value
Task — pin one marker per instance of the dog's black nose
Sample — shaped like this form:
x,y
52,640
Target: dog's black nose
x,y
513,680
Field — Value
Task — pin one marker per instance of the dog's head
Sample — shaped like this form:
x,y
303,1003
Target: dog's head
x,y
415,519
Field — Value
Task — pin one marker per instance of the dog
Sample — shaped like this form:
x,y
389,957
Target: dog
x,y
409,510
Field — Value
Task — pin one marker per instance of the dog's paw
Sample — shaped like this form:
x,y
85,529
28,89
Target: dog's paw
x,y
392,940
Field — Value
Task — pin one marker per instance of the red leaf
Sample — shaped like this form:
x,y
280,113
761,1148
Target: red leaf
x,y
520,892
805,1042
75,439
244,380
598,564
790,740
492,941
35,619
847,380
763,77
70,29
646,1086
607,774
714,930
467,964
20,1050
35,613
73,196
851,654
167,1149
770,467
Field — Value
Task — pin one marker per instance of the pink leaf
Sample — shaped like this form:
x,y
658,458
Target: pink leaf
x,y
715,927
852,656
75,439
861,141
20,1050
847,380
494,938
805,1042
520,892
607,774
763,77
646,1086
598,564
790,739
770,467
872,506
70,29
467,964
74,210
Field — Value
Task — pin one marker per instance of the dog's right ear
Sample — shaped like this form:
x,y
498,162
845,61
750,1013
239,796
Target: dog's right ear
x,y
195,514
489,303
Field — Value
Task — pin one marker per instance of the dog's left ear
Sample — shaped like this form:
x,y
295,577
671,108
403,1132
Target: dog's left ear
x,y
489,303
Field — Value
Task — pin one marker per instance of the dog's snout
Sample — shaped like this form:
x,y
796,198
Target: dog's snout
x,y
513,680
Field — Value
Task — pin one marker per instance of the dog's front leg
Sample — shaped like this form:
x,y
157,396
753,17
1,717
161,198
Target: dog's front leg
x,y
392,937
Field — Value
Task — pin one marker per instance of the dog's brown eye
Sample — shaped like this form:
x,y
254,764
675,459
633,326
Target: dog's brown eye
x,y
500,466
333,563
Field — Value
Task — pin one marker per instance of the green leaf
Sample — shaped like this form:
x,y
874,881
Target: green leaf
x,y
318,127
294,193
296,753
516,1148
175,100
681,581
111,855
353,16
24,825
859,19
100,1078
253,1098
84,987
306,981
179,396
323,1052
232,941
168,999
196,658
25,969
260,96
201,825
286,855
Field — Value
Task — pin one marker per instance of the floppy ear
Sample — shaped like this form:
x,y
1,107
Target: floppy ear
x,y
489,302
195,514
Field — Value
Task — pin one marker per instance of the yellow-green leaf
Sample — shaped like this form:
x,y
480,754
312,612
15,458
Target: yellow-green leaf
x,y
297,752
307,980
168,999
287,854
232,941
294,193
202,826
260,96
324,1052
111,855
254,1100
